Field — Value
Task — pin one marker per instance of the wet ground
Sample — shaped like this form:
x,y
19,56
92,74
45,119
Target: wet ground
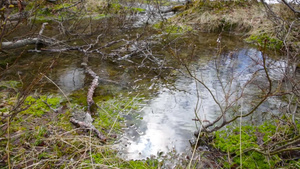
x,y
173,98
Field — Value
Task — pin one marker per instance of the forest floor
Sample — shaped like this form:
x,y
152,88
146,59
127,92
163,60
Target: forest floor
x,y
36,131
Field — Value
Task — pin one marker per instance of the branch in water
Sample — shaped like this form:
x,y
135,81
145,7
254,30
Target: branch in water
x,y
24,42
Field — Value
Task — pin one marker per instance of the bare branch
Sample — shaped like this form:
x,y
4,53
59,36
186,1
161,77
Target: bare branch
x,y
291,8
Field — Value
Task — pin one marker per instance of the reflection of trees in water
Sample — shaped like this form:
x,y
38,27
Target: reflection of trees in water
x,y
71,79
171,112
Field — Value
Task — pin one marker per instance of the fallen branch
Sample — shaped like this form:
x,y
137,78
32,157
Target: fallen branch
x,y
94,84
291,8
88,126
24,42
18,16
86,121
92,88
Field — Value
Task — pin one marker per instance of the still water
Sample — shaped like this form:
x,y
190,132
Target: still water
x,y
167,120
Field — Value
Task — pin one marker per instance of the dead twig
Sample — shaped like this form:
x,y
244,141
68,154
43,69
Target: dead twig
x,y
88,126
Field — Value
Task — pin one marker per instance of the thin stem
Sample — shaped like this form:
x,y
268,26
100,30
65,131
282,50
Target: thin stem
x,y
241,119
7,145
58,88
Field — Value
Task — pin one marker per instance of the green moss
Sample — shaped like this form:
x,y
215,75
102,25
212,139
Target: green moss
x,y
61,6
229,141
107,157
43,155
169,28
255,160
10,85
138,9
64,121
265,40
99,16
37,107
79,97
147,164
118,8
57,140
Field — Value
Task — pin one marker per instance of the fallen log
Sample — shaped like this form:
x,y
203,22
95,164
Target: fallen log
x,y
24,42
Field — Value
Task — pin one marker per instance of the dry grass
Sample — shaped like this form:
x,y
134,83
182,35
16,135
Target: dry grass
x,y
51,141
95,5
280,27
237,19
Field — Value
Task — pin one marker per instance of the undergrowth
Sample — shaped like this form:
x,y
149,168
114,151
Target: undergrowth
x,y
242,17
265,40
254,141
41,135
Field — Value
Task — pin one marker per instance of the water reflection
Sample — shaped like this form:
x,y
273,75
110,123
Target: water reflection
x,y
71,79
166,124
167,119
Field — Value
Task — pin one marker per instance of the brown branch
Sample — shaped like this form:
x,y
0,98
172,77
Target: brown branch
x,y
284,150
291,8
289,142
88,126
87,122
92,88
267,153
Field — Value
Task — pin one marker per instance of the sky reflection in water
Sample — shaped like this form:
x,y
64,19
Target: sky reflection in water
x,y
167,120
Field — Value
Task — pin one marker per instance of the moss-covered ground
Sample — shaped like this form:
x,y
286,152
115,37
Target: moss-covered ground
x,y
254,145
39,133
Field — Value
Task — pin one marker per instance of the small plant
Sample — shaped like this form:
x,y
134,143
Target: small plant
x,y
39,135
